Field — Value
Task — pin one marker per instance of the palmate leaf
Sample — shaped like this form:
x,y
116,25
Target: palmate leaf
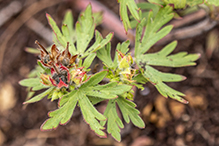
x,y
67,105
153,33
124,13
129,112
161,58
81,96
84,31
114,123
105,55
98,44
145,7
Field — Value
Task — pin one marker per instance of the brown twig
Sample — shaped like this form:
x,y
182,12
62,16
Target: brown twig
x,y
22,18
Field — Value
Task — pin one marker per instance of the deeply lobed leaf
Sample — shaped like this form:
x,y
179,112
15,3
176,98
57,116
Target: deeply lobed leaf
x,y
114,123
124,14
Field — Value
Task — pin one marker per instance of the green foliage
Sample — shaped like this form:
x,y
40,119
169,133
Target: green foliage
x,y
124,13
69,101
161,58
180,4
213,2
114,123
194,2
64,76
152,33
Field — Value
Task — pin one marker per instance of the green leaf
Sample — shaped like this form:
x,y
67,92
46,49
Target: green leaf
x,y
212,2
68,20
32,50
40,96
145,7
114,123
31,82
105,56
98,17
140,79
99,43
157,78
123,47
56,31
107,91
95,100
194,2
162,59
91,115
178,4
129,112
124,13
158,2
84,30
153,32
95,79
67,36
87,62
63,114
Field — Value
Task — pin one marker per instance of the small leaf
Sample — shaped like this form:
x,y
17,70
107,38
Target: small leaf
x,y
178,4
158,2
91,115
129,112
157,79
61,115
95,79
107,91
31,82
105,56
212,2
84,30
68,20
99,43
56,31
153,33
114,123
32,50
124,14
194,2
161,58
67,36
87,62
40,96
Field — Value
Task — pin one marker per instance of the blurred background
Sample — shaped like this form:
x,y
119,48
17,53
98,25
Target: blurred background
x,y
168,122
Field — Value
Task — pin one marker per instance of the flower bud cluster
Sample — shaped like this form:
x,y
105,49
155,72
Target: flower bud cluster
x,y
124,66
60,63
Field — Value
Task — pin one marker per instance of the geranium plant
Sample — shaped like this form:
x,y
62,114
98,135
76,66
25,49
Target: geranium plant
x,y
63,68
